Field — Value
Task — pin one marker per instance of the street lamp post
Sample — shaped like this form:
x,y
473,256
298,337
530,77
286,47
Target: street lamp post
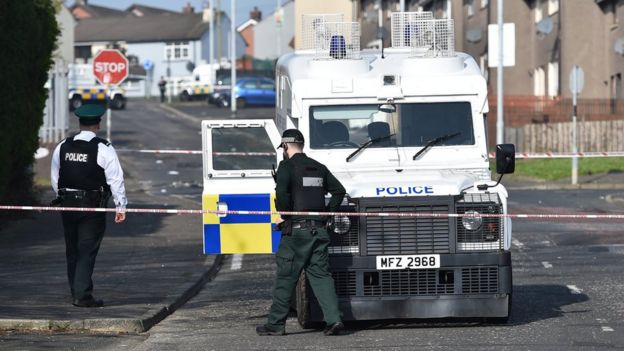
x,y
233,56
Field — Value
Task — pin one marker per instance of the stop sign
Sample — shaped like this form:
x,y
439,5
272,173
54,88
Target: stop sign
x,y
110,67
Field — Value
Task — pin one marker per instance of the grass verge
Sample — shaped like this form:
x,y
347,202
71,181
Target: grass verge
x,y
560,168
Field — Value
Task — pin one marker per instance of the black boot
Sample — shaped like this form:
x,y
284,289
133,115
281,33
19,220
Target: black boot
x,y
266,330
91,302
334,329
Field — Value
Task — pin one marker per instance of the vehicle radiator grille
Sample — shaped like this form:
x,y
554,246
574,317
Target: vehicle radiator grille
x,y
345,283
414,282
479,280
405,235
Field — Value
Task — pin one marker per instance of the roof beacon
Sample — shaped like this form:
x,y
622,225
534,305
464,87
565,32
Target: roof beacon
x,y
311,25
338,41
403,24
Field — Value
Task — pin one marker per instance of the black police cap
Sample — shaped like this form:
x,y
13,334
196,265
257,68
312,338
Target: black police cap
x,y
90,114
291,136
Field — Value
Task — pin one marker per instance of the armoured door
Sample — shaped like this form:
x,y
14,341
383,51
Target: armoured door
x,y
238,157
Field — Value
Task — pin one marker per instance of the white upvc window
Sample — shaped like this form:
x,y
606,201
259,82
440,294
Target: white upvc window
x,y
539,82
553,79
539,12
178,50
553,7
484,3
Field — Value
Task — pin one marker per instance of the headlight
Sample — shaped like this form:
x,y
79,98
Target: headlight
x,y
472,223
341,224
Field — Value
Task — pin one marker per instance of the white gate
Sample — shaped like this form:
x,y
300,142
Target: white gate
x,y
56,111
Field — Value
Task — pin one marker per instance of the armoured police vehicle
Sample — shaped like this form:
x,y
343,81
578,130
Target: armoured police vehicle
x,y
404,130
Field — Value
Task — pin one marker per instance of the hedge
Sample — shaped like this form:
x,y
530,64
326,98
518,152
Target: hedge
x,y
28,31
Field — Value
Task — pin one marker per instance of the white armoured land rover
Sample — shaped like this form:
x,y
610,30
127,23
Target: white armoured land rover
x,y
404,130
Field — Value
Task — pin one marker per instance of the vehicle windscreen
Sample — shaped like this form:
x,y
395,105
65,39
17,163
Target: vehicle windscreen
x,y
414,124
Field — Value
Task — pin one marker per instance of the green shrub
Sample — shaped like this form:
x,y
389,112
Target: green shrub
x,y
28,32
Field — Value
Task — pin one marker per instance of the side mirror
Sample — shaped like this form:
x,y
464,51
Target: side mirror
x,y
505,158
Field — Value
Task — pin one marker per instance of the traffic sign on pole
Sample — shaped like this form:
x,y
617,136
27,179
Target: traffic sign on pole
x,y
110,67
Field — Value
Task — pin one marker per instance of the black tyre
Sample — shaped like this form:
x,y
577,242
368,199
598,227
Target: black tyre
x,y
240,102
302,297
224,102
118,103
185,96
75,102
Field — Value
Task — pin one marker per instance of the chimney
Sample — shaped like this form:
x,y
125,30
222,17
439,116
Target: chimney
x,y
188,9
255,14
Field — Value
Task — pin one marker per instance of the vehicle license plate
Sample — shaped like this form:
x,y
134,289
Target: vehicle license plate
x,y
408,262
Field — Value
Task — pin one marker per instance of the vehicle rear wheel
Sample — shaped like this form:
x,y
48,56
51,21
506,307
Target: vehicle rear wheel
x,y
118,103
185,96
75,102
303,304
240,102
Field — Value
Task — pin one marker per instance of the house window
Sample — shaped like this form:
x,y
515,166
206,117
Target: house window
x,y
539,82
469,8
484,3
539,14
553,79
553,7
178,50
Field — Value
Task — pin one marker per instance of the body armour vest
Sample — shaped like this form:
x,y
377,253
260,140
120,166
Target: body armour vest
x,y
308,189
79,168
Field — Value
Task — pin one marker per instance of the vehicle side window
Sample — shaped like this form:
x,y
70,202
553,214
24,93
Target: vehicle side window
x,y
252,84
266,85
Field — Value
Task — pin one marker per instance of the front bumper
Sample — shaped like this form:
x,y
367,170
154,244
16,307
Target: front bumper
x,y
466,285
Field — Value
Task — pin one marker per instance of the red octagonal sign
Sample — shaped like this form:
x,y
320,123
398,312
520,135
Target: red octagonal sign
x,y
110,67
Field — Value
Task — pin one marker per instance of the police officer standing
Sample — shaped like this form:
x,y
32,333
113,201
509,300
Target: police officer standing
x,y
301,186
85,171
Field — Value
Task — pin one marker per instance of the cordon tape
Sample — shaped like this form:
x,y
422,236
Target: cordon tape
x,y
519,155
300,213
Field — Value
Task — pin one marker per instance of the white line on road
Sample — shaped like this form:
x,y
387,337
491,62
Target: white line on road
x,y
574,289
546,264
237,262
607,329
517,243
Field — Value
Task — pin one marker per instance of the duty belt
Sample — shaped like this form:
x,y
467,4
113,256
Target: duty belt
x,y
308,224
78,194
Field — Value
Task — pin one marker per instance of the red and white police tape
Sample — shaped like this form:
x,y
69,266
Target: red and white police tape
x,y
519,155
300,213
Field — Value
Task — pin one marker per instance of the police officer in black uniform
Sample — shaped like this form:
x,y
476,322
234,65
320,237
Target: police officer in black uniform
x,y
85,172
301,186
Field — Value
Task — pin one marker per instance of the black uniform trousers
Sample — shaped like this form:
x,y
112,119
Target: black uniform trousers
x,y
83,234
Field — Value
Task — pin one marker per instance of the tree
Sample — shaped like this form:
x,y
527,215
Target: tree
x,y
28,32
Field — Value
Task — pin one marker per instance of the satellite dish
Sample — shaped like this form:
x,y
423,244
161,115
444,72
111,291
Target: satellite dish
x,y
619,46
545,26
474,35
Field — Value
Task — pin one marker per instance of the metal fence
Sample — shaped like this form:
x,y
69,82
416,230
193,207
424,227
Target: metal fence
x,y
56,111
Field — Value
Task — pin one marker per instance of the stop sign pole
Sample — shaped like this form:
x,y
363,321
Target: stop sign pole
x,y
110,68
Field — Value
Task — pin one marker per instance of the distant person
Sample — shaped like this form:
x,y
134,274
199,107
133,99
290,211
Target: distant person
x,y
162,85
85,172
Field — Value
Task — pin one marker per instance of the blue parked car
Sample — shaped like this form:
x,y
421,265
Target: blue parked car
x,y
250,91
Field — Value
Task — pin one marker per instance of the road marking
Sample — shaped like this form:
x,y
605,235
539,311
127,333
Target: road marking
x,y
546,264
174,172
574,289
237,262
517,243
607,329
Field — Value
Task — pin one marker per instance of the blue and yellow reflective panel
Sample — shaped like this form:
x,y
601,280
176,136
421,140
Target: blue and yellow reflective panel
x,y
240,233
204,89
92,93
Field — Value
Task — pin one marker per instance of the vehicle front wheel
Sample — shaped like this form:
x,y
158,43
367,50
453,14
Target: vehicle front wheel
x,y
302,297
118,103
75,102
240,102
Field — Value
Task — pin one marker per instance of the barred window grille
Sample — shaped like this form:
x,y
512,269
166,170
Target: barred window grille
x,y
312,25
402,24
338,41
433,38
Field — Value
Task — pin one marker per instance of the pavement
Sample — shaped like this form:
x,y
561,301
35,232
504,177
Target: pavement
x,y
147,267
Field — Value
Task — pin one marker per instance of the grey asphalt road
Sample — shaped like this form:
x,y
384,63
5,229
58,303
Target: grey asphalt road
x,y
568,284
